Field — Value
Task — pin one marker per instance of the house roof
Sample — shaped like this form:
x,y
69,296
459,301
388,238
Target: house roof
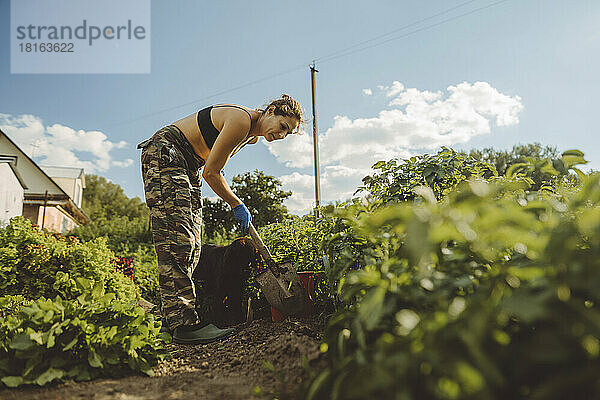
x,y
40,187
62,172
65,172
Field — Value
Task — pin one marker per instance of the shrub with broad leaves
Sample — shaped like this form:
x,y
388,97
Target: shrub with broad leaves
x,y
34,263
490,293
93,336
67,313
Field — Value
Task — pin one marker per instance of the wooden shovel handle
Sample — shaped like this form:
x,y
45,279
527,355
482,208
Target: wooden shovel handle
x,y
264,252
258,243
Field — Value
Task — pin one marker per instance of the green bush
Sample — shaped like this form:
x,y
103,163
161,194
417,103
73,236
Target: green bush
x,y
549,173
93,336
145,266
11,305
489,294
315,244
35,263
396,180
92,328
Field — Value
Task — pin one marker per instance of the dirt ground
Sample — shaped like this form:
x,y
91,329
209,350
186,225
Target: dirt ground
x,y
229,369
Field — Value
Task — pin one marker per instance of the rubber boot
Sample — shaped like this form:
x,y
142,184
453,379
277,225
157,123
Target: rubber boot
x,y
200,334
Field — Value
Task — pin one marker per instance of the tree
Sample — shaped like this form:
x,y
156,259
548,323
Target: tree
x,y
262,195
536,157
503,159
122,220
217,219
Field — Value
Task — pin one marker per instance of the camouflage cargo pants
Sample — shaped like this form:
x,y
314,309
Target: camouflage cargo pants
x,y
172,183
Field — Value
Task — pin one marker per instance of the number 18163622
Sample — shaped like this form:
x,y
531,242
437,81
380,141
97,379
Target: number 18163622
x,y
47,47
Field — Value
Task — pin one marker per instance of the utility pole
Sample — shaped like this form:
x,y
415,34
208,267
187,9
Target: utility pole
x,y
315,142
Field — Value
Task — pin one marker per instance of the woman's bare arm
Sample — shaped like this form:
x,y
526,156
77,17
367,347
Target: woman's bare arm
x,y
233,132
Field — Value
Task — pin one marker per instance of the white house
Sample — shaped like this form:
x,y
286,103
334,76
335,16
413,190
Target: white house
x,y
47,202
72,181
11,189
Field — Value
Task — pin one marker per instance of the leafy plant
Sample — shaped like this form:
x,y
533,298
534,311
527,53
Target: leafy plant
x,y
34,264
397,179
503,159
549,173
91,328
146,273
93,336
488,294
314,244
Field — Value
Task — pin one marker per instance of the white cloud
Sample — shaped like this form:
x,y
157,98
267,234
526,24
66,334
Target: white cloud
x,y
61,145
367,92
393,90
296,151
123,164
416,120
336,180
302,188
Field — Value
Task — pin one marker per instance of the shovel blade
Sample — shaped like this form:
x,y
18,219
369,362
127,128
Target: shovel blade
x,y
290,303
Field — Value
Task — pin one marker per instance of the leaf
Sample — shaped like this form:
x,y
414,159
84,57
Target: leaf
x,y
37,337
579,173
51,340
98,290
21,341
371,307
559,165
69,345
550,169
317,383
12,381
94,359
570,161
515,169
526,273
268,366
576,153
48,376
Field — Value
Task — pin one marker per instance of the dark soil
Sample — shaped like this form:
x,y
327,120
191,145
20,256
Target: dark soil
x,y
229,369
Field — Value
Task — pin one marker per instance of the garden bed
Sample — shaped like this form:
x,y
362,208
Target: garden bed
x,y
230,369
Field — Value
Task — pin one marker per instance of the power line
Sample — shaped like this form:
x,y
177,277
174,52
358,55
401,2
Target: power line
x,y
209,96
397,29
332,56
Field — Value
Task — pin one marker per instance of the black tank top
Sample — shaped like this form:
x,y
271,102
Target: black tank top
x,y
208,130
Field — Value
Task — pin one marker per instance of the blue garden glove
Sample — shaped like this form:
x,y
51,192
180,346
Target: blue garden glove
x,y
241,213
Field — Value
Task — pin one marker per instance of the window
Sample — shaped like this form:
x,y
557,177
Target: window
x,y
65,225
77,193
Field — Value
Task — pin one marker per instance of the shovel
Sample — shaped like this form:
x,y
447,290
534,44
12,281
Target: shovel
x,y
279,283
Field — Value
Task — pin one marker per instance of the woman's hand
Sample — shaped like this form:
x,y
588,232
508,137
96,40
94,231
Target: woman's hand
x,y
242,214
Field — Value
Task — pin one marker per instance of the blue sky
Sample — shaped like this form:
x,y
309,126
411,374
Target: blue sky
x,y
517,72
